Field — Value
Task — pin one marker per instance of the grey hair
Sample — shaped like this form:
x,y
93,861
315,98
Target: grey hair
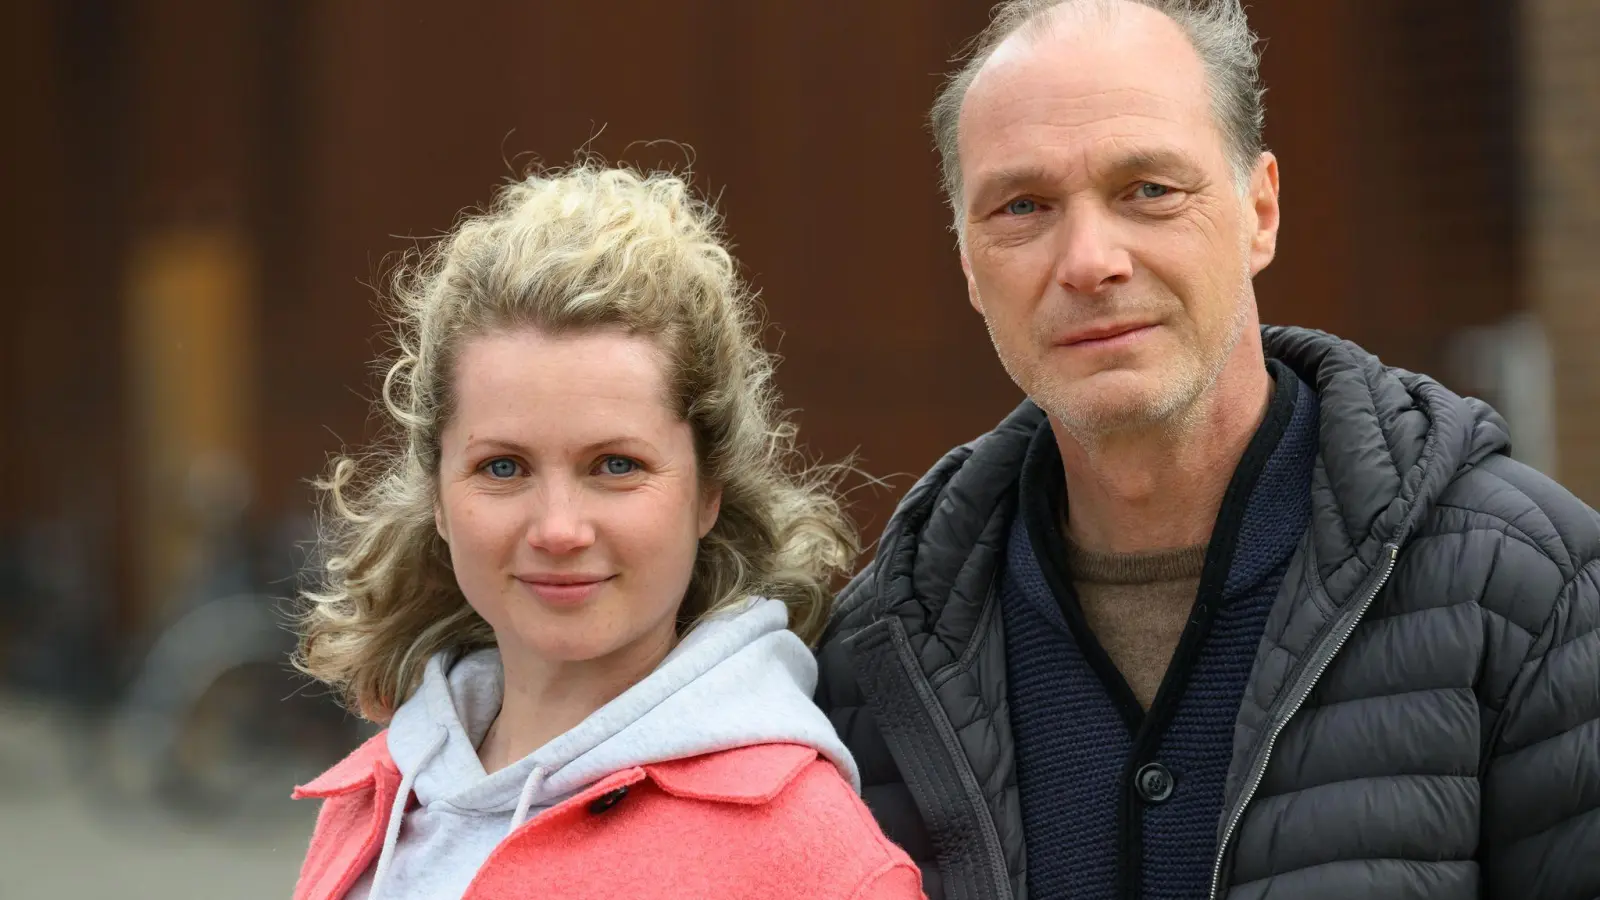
x,y
1218,30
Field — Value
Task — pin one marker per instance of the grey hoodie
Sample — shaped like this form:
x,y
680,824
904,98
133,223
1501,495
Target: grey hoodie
x,y
738,679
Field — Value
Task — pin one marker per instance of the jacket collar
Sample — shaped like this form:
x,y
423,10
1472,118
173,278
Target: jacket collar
x,y
748,776
355,772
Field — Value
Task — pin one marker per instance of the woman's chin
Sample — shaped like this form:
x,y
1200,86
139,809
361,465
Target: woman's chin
x,y
581,643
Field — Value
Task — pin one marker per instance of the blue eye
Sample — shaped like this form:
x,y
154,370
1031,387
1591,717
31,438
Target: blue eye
x,y
618,465
1021,206
501,468
1152,191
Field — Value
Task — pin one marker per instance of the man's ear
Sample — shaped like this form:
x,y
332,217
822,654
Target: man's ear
x,y
972,286
1264,204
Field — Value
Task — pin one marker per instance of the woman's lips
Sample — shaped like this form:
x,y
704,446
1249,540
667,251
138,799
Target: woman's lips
x,y
564,592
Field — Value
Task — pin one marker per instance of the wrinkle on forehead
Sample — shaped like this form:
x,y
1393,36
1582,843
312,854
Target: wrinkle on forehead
x,y
1075,142
1017,106
1081,84
1078,54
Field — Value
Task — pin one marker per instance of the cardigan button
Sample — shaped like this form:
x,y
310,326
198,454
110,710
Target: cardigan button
x,y
1154,782
607,800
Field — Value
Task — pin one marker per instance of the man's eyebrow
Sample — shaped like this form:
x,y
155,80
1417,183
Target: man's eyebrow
x,y
1008,180
1153,161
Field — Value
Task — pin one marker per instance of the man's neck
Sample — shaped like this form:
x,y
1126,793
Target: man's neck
x,y
1161,489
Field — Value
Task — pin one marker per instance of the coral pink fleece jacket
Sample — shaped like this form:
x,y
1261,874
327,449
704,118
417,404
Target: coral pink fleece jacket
x,y
714,776
769,821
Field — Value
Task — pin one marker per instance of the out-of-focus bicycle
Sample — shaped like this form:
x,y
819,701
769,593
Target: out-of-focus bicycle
x,y
214,718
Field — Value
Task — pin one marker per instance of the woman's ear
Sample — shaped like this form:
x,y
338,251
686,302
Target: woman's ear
x,y
710,508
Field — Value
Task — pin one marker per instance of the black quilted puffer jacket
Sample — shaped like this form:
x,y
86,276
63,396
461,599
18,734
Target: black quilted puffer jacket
x,y
1423,717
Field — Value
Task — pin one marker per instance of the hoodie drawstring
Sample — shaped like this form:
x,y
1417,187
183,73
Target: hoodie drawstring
x,y
402,799
530,788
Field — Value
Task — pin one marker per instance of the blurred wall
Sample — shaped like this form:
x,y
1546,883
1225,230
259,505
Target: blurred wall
x,y
204,194
1560,40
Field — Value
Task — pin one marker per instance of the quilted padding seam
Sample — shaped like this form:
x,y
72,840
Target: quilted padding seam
x,y
1407,859
1561,824
1387,776
1427,690
1544,740
1568,593
1533,505
1506,528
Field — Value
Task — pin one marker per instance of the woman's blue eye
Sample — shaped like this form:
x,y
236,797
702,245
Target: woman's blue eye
x,y
502,468
1021,206
1152,191
618,465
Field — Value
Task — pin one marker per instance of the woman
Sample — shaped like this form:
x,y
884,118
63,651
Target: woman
x,y
580,587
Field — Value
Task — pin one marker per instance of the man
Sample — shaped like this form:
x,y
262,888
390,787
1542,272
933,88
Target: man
x,y
1220,610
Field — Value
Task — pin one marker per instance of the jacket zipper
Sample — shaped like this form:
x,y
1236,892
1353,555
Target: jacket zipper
x,y
1302,691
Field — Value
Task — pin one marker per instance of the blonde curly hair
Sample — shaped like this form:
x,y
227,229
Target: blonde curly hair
x,y
573,250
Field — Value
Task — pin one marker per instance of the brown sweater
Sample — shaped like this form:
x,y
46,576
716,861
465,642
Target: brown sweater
x,y
1137,605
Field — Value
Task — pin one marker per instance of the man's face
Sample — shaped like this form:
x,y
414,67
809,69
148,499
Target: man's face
x,y
1107,244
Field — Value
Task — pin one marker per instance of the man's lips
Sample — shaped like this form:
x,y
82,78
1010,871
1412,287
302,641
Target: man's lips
x,y
1104,335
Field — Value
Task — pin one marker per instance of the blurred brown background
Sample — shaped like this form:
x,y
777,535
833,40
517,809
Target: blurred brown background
x,y
201,196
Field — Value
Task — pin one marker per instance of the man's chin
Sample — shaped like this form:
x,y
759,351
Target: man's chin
x,y
1108,402
1103,421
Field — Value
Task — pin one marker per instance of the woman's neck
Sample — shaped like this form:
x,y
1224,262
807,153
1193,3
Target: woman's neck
x,y
544,700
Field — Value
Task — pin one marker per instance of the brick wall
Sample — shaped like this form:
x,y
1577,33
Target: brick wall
x,y
1561,235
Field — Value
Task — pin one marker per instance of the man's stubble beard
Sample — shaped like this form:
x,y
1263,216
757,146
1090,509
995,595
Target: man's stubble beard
x,y
1174,409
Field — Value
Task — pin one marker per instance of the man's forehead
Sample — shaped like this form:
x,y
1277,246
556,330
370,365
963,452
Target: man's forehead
x,y
1075,85
1076,50
1092,135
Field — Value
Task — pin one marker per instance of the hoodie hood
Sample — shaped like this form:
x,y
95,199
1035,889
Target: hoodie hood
x,y
738,679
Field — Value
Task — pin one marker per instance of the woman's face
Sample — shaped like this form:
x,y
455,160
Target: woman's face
x,y
570,497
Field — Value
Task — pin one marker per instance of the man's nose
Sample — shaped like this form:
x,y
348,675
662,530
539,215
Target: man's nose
x,y
1090,258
